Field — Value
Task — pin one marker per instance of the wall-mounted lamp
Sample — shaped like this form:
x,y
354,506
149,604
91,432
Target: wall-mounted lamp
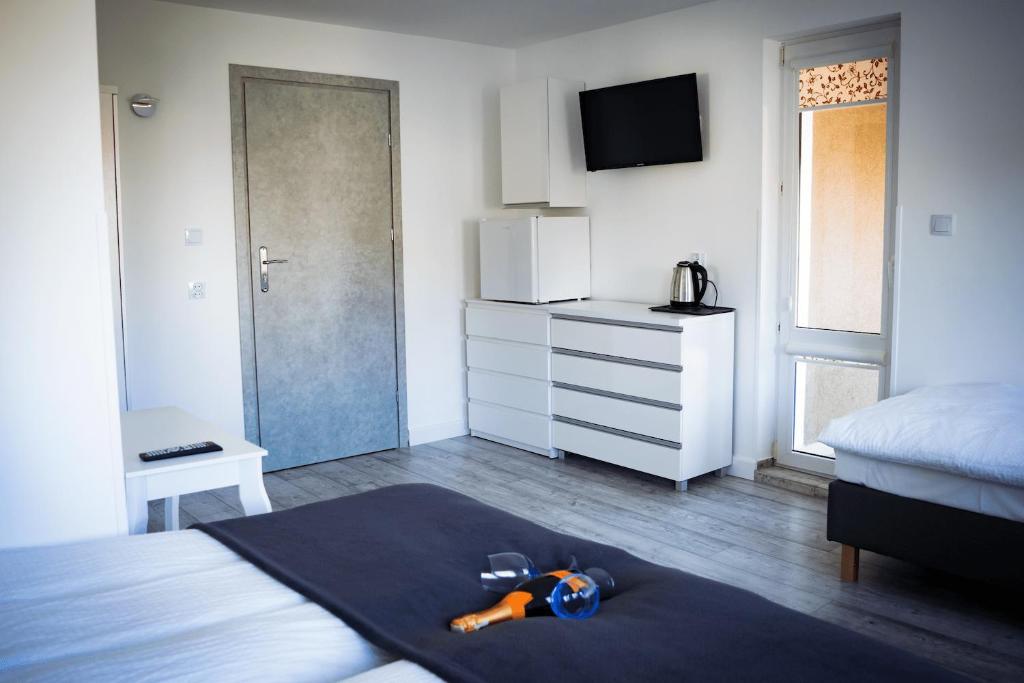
x,y
143,105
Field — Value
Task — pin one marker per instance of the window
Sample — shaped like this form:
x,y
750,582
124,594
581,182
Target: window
x,y
843,117
827,389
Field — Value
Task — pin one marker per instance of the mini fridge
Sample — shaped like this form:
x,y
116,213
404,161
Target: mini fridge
x,y
535,259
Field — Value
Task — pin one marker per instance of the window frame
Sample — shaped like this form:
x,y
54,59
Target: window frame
x,y
794,342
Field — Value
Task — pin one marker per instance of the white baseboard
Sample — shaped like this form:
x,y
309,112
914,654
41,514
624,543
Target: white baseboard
x,y
742,467
437,432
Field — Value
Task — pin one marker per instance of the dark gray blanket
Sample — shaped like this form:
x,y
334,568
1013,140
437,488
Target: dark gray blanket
x,y
397,564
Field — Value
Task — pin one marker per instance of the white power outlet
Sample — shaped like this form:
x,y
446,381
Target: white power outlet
x,y
700,257
197,290
942,224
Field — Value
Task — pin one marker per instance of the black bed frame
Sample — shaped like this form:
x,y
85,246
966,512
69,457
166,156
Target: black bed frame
x,y
956,541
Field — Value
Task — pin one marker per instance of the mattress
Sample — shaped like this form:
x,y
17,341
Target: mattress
x,y
931,485
171,606
970,430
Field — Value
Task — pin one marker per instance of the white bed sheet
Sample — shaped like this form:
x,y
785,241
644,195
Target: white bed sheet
x,y
934,486
171,606
971,430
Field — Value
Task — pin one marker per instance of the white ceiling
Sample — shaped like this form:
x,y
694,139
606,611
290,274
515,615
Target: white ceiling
x,y
504,23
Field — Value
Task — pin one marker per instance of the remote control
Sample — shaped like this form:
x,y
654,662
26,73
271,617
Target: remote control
x,y
178,451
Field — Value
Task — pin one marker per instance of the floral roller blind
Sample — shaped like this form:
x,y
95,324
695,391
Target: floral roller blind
x,y
862,81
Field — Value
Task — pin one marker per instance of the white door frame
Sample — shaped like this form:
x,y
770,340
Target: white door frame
x,y
243,254
842,348
117,259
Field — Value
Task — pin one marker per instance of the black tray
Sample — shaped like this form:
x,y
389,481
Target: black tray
x,y
696,310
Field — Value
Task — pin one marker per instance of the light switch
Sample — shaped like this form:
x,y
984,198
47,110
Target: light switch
x,y
942,224
193,237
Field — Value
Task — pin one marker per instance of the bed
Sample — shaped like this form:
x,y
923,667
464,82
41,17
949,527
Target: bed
x,y
935,477
362,588
170,606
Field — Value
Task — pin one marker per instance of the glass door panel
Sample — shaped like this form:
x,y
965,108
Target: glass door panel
x,y
825,390
842,218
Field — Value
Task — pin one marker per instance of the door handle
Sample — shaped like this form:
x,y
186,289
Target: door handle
x,y
264,271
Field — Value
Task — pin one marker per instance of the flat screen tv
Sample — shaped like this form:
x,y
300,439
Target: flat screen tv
x,y
642,124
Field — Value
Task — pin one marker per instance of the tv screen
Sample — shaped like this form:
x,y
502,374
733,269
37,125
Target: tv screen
x,y
642,124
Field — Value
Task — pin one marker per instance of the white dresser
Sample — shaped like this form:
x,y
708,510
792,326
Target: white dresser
x,y
644,390
508,356
649,391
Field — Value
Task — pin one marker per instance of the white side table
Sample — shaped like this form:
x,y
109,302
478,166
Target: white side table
x,y
239,464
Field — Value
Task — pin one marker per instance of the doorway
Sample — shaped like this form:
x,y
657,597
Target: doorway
x,y
835,318
318,244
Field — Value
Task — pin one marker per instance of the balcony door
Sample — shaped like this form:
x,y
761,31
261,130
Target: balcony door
x,y
838,198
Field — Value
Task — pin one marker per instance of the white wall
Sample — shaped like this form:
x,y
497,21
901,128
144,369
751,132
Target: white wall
x,y
960,150
176,172
644,220
61,472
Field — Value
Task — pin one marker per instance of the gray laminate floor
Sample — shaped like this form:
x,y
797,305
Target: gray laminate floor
x,y
760,538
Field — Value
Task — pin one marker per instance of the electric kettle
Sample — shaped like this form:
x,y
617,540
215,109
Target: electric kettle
x,y
689,281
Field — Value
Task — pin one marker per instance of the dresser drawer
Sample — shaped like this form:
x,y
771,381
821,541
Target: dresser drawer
x,y
508,423
513,359
639,418
620,378
658,460
521,326
656,346
533,395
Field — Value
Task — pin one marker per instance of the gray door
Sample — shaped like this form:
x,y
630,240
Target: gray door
x,y
318,162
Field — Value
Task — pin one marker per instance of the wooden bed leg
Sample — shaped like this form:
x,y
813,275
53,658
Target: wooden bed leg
x,y
849,566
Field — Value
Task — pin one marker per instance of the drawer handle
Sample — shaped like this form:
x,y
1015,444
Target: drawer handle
x,y
618,432
618,359
655,403
617,323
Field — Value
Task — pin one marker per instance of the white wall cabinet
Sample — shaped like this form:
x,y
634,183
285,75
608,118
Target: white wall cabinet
x,y
542,160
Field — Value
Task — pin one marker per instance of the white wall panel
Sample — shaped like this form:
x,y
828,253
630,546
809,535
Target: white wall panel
x,y
61,475
176,173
